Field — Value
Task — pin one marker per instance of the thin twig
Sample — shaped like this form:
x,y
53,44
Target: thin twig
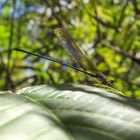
x,y
104,23
98,24
53,12
18,37
27,67
135,4
123,53
25,79
3,4
9,82
11,35
122,17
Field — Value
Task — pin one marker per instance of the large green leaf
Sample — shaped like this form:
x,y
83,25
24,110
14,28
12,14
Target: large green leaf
x,y
21,119
89,112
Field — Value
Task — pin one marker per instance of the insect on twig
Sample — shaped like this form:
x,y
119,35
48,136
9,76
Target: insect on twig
x,y
79,56
82,61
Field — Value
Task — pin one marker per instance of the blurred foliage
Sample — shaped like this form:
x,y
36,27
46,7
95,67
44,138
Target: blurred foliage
x,y
107,30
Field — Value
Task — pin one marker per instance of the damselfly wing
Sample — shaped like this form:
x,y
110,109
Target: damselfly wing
x,y
73,50
79,56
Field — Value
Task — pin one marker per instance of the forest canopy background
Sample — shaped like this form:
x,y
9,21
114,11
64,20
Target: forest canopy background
x,y
107,30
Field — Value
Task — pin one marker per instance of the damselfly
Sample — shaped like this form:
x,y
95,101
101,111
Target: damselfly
x,y
82,61
79,56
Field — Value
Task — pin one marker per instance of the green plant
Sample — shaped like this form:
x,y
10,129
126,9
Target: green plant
x,y
68,112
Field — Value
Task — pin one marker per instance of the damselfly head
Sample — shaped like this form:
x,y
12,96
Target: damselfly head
x,y
59,32
62,34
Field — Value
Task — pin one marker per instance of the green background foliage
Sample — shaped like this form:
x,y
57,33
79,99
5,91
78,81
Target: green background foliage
x,y
107,30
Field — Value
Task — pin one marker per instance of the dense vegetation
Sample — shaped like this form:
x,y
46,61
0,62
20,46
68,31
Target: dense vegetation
x,y
107,30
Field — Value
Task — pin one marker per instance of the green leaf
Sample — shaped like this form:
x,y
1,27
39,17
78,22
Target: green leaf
x,y
90,112
22,119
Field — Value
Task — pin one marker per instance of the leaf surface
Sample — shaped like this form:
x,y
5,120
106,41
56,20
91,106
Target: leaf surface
x,y
90,112
22,119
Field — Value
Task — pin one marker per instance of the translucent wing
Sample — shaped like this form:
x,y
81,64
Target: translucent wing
x,y
75,52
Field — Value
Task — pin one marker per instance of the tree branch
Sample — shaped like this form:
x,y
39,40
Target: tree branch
x,y
135,4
